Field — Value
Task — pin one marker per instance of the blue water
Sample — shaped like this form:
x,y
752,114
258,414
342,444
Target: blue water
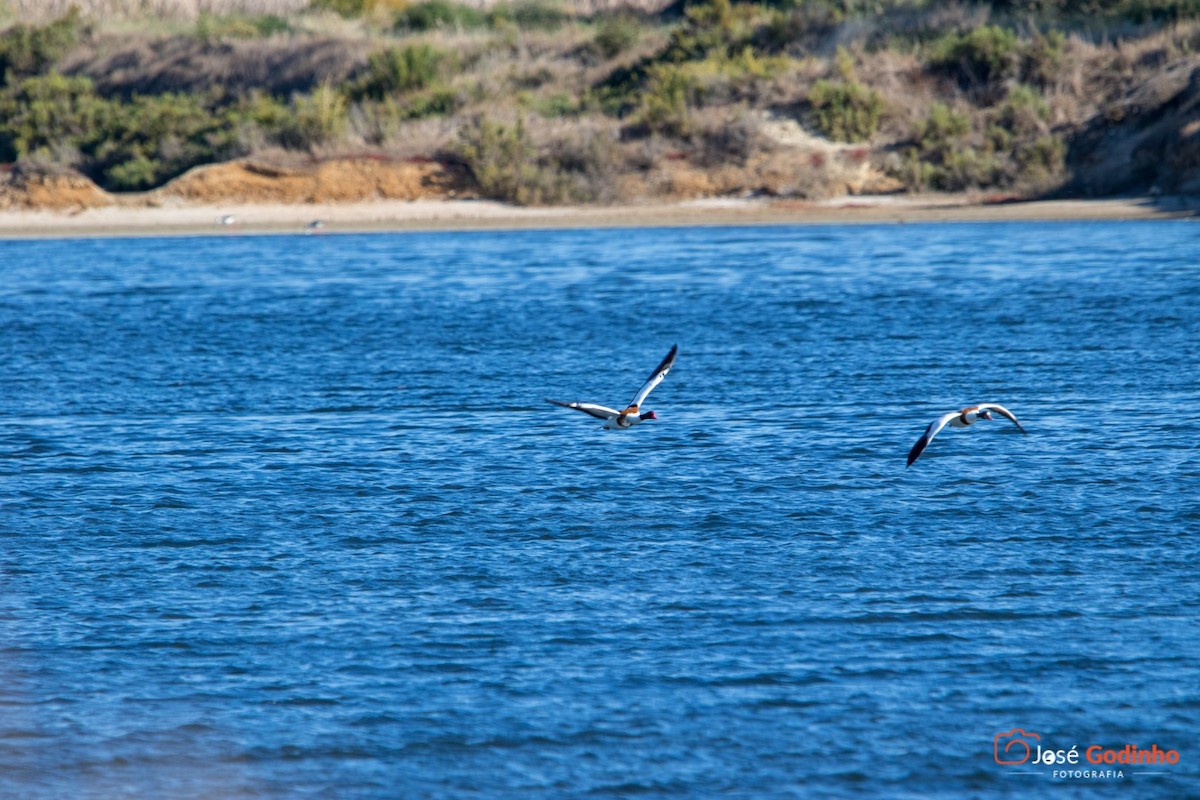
x,y
288,517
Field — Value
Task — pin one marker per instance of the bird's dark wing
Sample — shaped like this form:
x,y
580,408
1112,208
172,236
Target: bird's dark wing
x,y
927,437
655,378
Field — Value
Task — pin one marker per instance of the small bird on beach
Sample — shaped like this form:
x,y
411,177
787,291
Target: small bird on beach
x,y
959,419
631,415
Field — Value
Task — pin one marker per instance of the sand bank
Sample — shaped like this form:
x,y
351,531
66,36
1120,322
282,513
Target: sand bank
x,y
194,219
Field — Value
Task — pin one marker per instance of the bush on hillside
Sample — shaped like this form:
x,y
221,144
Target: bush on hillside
x,y
528,15
27,50
500,157
709,28
440,15
1012,148
580,166
210,27
665,100
846,111
977,58
396,70
616,33
150,140
1023,112
315,119
45,113
121,145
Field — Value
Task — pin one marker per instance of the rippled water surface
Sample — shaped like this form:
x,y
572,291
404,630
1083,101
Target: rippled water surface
x,y
288,517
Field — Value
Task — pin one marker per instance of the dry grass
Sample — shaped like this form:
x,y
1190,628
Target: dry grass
x,y
41,10
183,63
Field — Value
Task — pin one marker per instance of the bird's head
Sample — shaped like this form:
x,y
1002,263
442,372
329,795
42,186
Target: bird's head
x,y
647,415
985,414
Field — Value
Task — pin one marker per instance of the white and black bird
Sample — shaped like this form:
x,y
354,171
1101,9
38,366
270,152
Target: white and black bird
x,y
632,414
959,419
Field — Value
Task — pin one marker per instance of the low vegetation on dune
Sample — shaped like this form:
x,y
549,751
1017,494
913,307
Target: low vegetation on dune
x,y
537,102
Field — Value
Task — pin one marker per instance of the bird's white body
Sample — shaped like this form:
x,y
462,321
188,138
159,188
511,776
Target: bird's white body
x,y
964,418
619,422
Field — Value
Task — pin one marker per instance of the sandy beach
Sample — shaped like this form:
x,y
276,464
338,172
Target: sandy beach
x,y
386,215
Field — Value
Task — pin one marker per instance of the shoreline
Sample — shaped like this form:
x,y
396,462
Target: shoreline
x,y
469,215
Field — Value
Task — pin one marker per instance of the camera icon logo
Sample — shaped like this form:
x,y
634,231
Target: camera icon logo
x,y
1015,746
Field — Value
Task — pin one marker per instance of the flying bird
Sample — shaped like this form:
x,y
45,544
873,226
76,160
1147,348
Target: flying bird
x,y
959,419
631,415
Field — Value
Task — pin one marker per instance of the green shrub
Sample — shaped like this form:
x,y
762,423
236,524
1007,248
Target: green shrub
x,y
846,111
966,168
315,119
804,26
257,108
916,174
978,57
440,15
616,33
501,157
1023,112
49,111
122,145
712,15
1043,58
708,30
999,139
149,140
746,63
941,128
941,157
580,167
396,70
1043,158
528,15
1015,150
439,101
137,171
558,104
665,99
379,121
210,27
31,50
